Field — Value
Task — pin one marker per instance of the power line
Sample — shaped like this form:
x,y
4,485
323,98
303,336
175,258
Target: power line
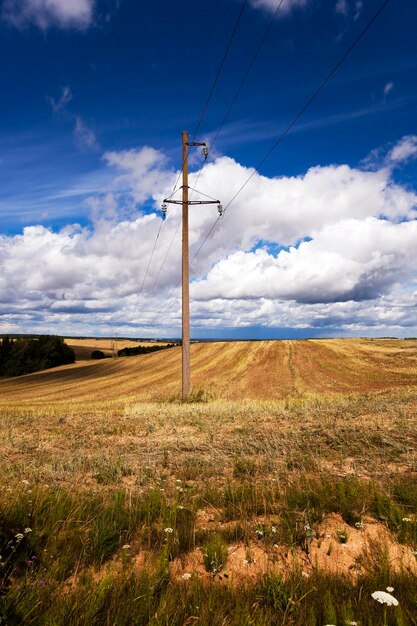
x,y
203,113
243,80
151,257
289,128
297,117
225,117
213,86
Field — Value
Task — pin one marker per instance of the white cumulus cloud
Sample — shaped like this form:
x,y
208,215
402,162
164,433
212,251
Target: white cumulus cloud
x,y
334,247
404,150
46,13
350,260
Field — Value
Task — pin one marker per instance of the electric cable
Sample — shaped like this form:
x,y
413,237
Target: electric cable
x,y
203,113
213,86
297,117
243,81
151,257
225,117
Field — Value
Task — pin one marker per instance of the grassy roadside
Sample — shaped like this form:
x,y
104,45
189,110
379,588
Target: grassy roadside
x,y
140,516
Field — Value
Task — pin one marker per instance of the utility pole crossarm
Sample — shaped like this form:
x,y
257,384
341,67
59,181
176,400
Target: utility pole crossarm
x,y
192,202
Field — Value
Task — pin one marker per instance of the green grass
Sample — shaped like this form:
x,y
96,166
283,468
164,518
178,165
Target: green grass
x,y
150,597
99,493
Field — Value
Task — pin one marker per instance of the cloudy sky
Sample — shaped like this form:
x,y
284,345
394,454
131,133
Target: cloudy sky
x,y
319,240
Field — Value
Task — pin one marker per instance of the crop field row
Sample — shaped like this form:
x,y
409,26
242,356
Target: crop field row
x,y
229,371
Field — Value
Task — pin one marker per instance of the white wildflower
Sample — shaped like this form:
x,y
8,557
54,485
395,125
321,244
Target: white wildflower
x,y
168,530
359,525
273,529
126,546
25,482
259,533
384,598
19,536
27,531
186,576
305,574
406,519
390,589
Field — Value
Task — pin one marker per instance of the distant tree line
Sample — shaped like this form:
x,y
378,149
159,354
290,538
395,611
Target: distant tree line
x,y
24,355
143,349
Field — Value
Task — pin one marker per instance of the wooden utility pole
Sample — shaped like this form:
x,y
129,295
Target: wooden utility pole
x,y
185,274
185,202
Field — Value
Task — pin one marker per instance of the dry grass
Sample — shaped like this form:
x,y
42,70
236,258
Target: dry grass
x,y
286,435
327,411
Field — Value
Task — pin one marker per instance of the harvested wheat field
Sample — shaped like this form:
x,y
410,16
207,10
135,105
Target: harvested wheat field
x,y
284,492
84,347
264,370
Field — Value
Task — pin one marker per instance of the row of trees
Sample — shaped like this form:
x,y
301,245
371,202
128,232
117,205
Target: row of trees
x,y
144,349
23,355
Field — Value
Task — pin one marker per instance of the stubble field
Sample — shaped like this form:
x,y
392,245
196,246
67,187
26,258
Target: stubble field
x,y
284,492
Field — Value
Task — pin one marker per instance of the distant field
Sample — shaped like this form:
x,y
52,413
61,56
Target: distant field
x,y
84,347
231,371
284,492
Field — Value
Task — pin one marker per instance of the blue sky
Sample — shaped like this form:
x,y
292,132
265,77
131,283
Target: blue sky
x,y
87,89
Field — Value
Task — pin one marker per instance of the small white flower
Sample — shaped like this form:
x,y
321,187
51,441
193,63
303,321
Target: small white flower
x,y
19,536
259,533
186,576
27,531
390,589
126,546
273,529
25,482
358,525
168,530
384,598
406,519
353,623
305,574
